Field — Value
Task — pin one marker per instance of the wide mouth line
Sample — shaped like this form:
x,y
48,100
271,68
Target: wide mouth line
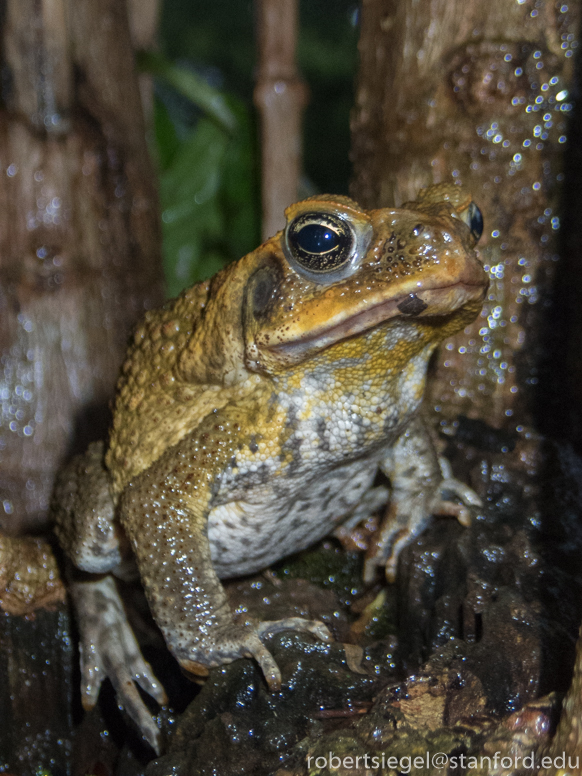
x,y
370,317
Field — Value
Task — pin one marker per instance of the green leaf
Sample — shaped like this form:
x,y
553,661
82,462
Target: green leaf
x,y
192,221
192,86
241,192
167,142
209,193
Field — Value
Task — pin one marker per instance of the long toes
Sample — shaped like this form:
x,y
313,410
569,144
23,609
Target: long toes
x,y
149,683
92,677
129,697
390,569
451,509
128,659
266,662
402,539
462,491
89,693
446,468
316,628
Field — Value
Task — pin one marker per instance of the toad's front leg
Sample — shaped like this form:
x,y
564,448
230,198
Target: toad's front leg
x,y
164,511
419,481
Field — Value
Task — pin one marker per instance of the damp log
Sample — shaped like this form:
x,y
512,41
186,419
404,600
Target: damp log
x,y
479,93
36,692
482,93
143,26
36,661
79,235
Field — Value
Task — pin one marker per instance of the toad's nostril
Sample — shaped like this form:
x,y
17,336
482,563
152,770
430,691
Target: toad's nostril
x,y
412,305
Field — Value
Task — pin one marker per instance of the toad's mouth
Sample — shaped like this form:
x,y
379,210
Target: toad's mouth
x,y
426,303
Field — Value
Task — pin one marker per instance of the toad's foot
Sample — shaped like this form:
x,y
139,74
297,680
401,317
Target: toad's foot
x,y
109,650
410,514
237,641
368,504
459,489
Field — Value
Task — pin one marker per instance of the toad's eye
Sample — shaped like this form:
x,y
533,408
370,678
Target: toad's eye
x,y
474,220
320,242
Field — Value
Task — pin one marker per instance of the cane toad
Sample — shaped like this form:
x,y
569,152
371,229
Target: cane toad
x,y
251,416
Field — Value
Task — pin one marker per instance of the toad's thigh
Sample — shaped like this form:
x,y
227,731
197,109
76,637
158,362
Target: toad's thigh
x,y
85,514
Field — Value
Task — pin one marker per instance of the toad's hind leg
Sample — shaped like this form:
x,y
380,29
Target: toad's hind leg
x,y
165,512
108,649
84,513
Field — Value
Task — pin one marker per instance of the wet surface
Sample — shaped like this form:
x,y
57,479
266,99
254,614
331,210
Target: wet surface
x,y
452,658
482,95
79,244
481,622
36,692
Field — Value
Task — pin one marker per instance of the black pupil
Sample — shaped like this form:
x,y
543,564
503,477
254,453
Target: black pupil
x,y
476,220
316,238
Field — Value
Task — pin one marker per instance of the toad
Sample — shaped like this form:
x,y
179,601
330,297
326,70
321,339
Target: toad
x,y
251,416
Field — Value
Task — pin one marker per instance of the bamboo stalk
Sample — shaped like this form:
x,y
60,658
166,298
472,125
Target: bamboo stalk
x,y
280,97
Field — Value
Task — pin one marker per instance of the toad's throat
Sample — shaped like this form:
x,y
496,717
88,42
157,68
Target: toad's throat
x,y
426,303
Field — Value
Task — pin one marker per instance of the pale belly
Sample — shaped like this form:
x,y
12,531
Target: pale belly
x,y
245,538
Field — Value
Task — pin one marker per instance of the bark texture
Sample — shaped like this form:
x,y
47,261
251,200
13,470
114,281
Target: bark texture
x,y
79,235
479,93
36,692
483,93
143,26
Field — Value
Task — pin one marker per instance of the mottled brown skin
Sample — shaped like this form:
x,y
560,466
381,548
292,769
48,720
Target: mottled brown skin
x,y
251,415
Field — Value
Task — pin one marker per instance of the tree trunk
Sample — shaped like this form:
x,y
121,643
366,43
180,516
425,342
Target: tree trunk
x,y
79,235
481,93
478,93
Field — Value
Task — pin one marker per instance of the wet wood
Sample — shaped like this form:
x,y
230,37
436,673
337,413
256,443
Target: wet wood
x,y
478,93
280,96
482,93
143,22
143,26
36,692
79,235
